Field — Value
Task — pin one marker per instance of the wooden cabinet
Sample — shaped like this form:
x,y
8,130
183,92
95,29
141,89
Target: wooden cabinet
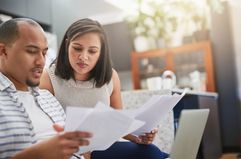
x,y
181,60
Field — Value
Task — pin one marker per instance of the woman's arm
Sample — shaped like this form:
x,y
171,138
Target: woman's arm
x,y
116,103
115,98
45,82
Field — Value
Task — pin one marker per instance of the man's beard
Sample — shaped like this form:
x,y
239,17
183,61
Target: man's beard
x,y
31,84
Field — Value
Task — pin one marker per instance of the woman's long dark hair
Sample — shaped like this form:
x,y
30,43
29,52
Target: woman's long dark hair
x,y
102,72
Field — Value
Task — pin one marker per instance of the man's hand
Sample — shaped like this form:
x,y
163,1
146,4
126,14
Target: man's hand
x,y
64,144
61,146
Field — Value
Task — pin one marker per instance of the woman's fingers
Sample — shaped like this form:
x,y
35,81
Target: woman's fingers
x,y
148,138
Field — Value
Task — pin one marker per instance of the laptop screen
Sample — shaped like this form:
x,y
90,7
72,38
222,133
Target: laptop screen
x,y
189,133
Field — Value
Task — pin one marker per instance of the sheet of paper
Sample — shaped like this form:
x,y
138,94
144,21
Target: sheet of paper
x,y
154,111
102,106
107,126
75,116
136,124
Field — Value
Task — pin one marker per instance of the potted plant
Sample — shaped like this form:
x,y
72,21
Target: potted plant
x,y
164,19
155,25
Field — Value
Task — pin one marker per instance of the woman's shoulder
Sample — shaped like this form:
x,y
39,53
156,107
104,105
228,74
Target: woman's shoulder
x,y
115,77
113,82
52,75
51,69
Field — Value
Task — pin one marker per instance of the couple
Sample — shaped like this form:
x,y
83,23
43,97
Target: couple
x,y
31,119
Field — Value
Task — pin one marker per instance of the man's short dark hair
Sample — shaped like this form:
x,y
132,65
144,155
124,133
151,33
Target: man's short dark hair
x,y
9,31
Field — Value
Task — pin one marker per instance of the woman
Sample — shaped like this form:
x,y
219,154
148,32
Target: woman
x,y
82,75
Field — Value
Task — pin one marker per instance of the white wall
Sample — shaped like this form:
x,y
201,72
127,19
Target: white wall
x,y
65,12
235,12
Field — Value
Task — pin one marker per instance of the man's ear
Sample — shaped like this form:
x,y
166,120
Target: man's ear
x,y
2,49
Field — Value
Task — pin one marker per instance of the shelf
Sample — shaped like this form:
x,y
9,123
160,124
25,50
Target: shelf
x,y
181,60
155,72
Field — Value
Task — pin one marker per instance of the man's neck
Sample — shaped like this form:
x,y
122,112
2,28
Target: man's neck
x,y
19,85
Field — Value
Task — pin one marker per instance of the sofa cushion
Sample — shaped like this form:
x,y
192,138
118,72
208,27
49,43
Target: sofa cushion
x,y
165,135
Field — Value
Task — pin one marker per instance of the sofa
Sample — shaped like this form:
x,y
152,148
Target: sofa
x,y
165,135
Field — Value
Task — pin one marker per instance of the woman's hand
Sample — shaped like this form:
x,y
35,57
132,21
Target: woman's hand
x,y
132,138
146,138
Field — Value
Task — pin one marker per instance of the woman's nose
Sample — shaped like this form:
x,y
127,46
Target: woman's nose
x,y
84,56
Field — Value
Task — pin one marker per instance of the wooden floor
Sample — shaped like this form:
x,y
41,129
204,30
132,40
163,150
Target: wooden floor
x,y
229,156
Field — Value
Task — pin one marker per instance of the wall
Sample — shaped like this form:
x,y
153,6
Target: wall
x,y
58,14
65,12
37,10
226,79
235,12
120,43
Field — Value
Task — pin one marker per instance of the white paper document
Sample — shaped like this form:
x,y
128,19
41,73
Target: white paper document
x,y
153,111
107,125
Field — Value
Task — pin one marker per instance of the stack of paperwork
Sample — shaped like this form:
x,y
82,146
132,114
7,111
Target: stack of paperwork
x,y
109,125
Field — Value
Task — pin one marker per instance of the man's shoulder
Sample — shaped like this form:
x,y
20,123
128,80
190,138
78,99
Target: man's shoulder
x,y
4,94
46,97
44,92
6,99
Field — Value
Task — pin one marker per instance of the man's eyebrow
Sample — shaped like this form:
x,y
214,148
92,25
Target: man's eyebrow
x,y
32,46
35,47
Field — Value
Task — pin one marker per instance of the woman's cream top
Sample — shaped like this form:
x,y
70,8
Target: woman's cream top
x,y
79,93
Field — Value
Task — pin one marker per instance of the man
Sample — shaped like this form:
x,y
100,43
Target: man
x,y
26,112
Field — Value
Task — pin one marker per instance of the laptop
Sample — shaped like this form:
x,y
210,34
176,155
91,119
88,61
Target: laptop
x,y
189,134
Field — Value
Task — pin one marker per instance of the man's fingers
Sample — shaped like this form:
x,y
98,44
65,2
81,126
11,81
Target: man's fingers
x,y
77,135
83,142
58,128
70,151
